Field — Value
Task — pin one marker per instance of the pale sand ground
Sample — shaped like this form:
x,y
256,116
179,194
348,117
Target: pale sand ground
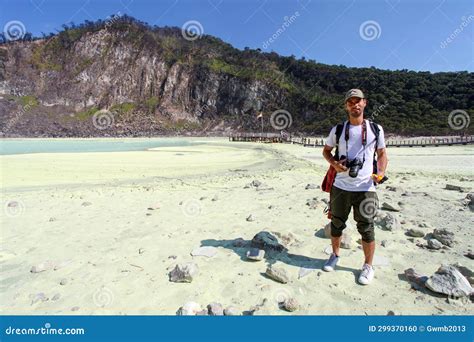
x,y
108,275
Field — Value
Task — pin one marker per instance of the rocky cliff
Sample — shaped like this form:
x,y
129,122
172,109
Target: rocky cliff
x,y
127,79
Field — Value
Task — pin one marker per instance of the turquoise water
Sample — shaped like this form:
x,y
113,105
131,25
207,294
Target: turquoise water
x,y
23,146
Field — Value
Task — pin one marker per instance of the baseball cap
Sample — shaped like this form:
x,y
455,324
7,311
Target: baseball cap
x,y
354,93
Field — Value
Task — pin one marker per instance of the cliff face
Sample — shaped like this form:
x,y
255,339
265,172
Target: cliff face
x,y
47,89
125,78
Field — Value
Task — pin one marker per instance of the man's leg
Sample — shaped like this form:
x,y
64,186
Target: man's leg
x,y
340,209
369,250
365,207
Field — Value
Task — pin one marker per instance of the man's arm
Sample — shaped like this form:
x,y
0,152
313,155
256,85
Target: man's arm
x,y
330,159
382,161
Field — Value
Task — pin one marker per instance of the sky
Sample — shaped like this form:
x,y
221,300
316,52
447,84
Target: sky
x,y
419,35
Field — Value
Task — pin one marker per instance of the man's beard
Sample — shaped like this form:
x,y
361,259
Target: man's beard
x,y
356,114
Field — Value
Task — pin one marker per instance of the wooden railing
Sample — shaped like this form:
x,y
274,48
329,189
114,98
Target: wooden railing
x,y
315,142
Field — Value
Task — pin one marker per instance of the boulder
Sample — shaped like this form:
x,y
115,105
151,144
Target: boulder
x,y
184,273
449,281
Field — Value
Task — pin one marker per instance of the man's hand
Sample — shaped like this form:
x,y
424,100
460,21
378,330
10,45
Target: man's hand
x,y
378,177
339,166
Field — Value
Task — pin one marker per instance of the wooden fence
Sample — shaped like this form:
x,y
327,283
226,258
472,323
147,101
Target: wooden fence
x,y
319,142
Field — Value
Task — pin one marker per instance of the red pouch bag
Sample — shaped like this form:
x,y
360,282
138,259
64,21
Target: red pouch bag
x,y
328,180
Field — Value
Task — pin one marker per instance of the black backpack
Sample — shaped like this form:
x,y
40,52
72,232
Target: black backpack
x,y
375,129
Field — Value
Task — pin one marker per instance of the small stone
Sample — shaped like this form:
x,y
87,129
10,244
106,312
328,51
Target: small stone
x,y
215,309
346,241
52,219
290,304
256,183
311,186
75,308
455,187
278,274
312,203
41,267
327,230
141,250
250,218
384,243
415,278
231,311
390,313
86,204
389,207
434,244
387,221
63,281
184,273
286,239
266,241
469,255
202,198
444,236
189,309
415,233
215,198
255,254
39,297
56,297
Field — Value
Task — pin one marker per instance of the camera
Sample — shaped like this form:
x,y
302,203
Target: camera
x,y
353,165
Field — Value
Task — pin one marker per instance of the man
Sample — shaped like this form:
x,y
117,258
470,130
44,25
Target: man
x,y
351,188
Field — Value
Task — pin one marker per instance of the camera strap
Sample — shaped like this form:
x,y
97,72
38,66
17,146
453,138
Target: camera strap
x,y
364,138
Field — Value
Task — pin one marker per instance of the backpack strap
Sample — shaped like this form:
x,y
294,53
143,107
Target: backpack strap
x,y
339,129
375,128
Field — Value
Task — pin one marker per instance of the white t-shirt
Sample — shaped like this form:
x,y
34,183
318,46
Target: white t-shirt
x,y
363,181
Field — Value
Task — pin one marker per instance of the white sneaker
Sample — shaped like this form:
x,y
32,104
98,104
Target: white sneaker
x,y
366,275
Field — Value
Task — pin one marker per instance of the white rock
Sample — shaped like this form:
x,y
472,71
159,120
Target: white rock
x,y
189,309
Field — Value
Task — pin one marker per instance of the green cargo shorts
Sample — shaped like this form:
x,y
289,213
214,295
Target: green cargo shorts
x,y
364,203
